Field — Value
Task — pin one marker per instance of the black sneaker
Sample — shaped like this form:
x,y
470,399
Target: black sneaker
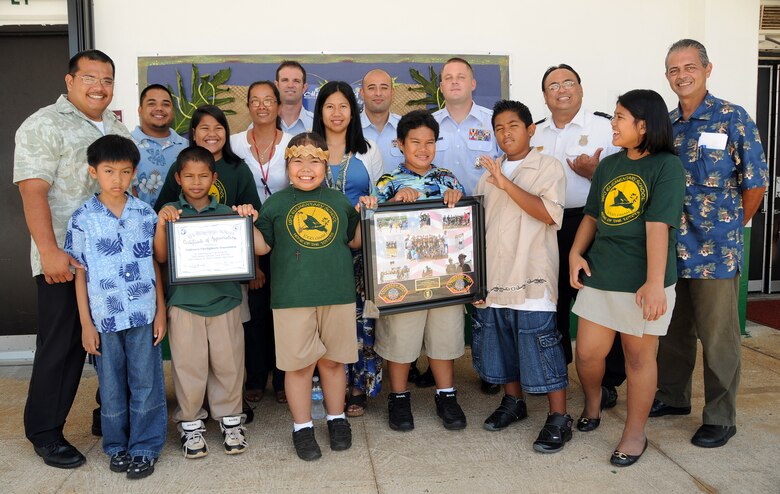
x,y
340,433
511,410
399,406
141,467
306,444
119,462
555,433
450,412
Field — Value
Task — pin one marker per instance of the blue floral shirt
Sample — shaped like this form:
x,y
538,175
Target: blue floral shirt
x,y
432,185
717,169
117,255
157,156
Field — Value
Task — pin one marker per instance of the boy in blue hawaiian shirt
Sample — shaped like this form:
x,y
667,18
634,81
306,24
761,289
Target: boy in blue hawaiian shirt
x,y
122,307
438,331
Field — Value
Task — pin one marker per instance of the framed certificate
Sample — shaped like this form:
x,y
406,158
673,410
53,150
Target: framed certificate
x,y
424,254
210,248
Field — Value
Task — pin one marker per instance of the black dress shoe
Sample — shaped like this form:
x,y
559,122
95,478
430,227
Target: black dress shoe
x,y
60,454
489,388
713,436
609,397
414,374
425,380
608,400
584,424
511,410
659,409
246,409
620,459
97,429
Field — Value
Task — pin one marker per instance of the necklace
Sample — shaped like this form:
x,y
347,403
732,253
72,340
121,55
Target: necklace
x,y
264,172
341,179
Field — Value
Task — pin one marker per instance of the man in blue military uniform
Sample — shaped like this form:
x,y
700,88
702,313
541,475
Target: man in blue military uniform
x,y
291,82
465,131
378,123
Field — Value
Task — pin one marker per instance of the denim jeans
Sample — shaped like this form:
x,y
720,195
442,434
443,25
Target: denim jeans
x,y
133,413
517,345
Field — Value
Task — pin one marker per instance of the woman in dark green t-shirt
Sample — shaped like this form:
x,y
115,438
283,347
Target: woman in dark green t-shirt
x,y
623,262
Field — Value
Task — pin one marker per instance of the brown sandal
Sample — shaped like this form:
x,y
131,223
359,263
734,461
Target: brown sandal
x,y
281,397
356,405
254,395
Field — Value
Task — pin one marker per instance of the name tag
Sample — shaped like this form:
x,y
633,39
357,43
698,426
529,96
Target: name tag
x,y
713,140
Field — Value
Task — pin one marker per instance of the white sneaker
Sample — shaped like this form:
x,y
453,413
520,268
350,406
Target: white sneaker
x,y
233,434
192,442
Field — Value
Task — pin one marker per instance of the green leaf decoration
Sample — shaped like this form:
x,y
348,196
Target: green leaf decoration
x,y
205,91
433,99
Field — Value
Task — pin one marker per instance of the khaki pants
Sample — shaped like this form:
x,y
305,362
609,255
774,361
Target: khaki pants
x,y
707,310
207,357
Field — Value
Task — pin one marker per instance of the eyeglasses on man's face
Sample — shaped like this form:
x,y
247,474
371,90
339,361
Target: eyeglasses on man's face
x,y
90,80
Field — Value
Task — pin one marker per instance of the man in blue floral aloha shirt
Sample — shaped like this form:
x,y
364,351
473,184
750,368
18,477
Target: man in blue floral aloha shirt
x,y
726,176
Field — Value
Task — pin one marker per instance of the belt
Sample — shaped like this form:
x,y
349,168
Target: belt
x,y
573,212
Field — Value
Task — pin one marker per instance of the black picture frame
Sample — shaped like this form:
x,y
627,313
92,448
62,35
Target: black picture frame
x,y
408,266
212,233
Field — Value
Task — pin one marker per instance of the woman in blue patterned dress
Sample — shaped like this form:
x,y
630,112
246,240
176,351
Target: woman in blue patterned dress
x,y
354,167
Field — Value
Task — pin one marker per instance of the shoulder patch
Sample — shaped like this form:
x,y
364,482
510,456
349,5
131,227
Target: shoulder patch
x,y
603,115
540,121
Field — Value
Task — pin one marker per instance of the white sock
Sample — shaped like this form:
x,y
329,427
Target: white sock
x,y
342,415
445,390
297,427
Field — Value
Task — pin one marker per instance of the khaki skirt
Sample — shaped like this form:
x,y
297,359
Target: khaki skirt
x,y
618,311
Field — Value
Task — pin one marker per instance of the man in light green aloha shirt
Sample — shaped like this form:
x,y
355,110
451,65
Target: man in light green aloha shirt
x,y
50,168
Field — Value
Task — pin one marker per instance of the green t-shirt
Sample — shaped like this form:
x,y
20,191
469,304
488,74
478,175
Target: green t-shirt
x,y
624,195
308,232
235,185
204,299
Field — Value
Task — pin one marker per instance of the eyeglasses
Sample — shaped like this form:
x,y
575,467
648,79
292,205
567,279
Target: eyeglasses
x,y
556,86
90,80
267,102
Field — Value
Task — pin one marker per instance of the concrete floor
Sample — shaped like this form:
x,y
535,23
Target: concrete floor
x,y
429,459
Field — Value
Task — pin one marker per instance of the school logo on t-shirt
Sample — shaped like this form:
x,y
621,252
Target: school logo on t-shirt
x,y
218,190
623,198
312,224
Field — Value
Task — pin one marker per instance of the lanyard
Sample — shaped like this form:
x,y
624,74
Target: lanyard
x,y
265,172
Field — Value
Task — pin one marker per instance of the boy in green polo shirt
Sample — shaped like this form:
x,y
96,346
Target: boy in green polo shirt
x,y
205,332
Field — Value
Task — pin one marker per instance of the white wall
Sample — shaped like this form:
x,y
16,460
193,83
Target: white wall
x,y
33,12
616,45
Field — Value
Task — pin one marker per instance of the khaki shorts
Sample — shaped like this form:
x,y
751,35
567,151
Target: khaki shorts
x,y
437,332
306,334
